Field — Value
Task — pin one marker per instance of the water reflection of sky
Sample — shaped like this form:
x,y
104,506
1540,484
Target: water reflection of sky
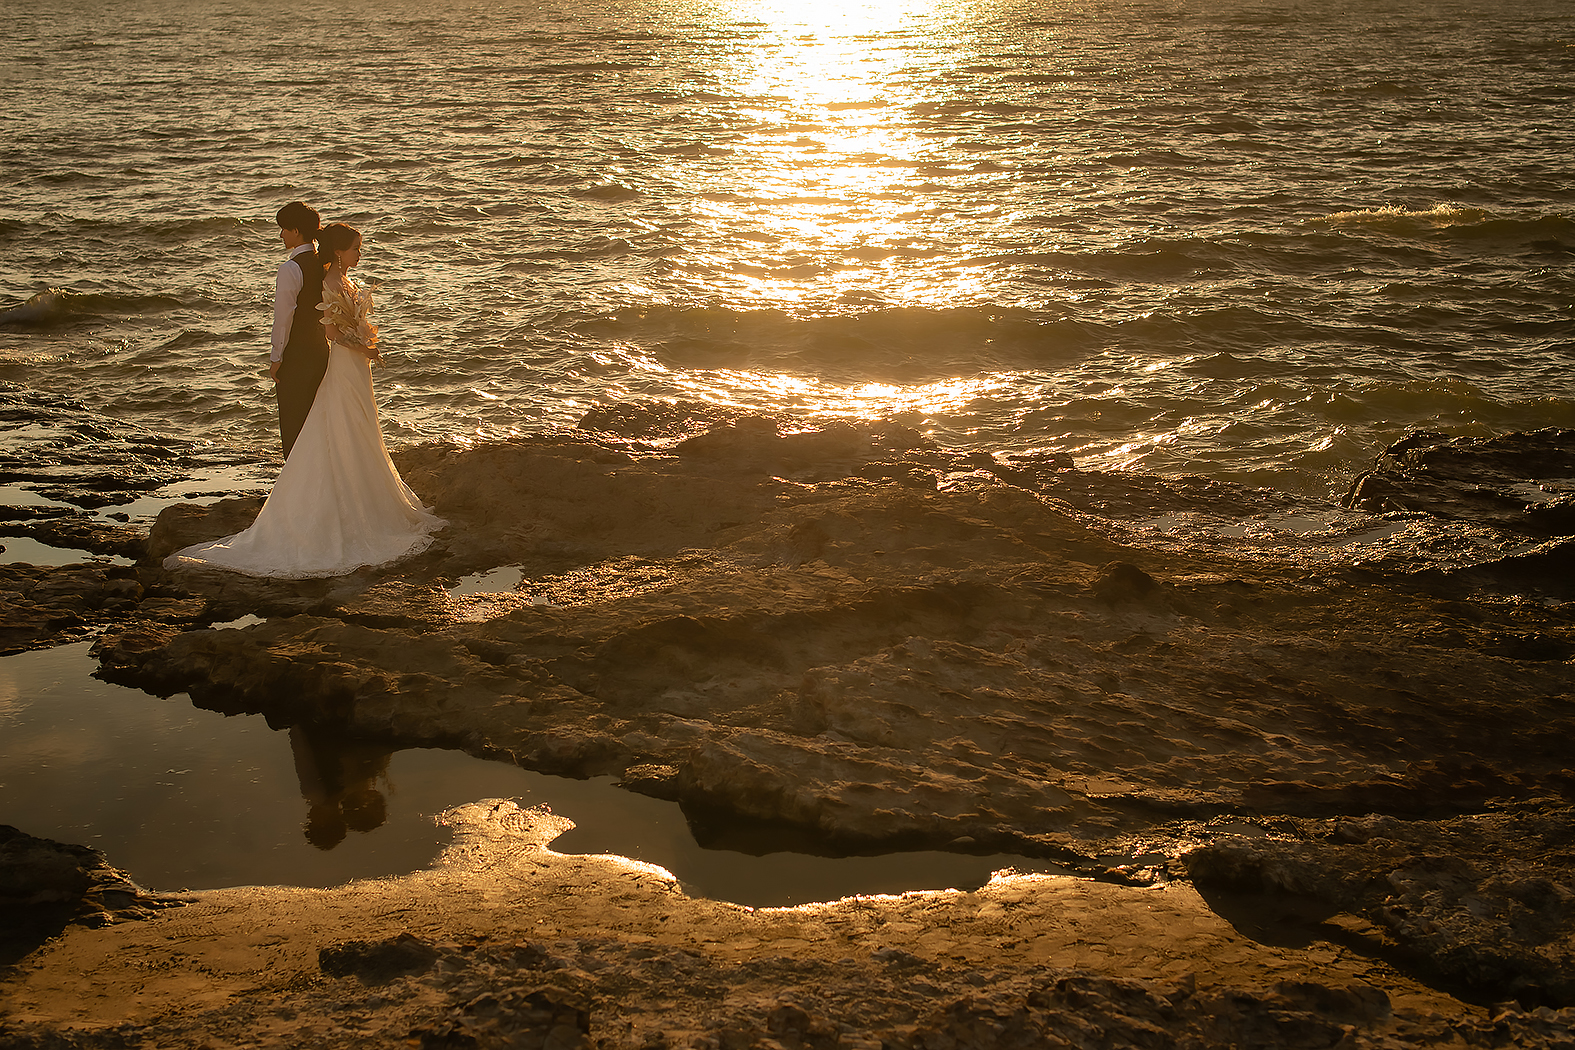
x,y
188,799
185,798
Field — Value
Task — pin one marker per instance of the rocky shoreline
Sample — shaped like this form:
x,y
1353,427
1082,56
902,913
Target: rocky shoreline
x,y
850,640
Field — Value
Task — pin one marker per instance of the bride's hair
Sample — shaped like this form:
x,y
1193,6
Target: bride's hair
x,y
335,237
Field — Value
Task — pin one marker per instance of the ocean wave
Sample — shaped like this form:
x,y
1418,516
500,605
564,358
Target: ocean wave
x,y
66,177
1158,158
608,191
164,230
55,306
599,247
572,68
1551,232
1141,260
1394,216
912,344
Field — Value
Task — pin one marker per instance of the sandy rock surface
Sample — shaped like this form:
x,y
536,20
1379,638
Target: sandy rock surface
x,y
850,638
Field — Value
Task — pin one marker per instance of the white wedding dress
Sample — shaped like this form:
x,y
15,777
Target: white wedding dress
x,y
338,505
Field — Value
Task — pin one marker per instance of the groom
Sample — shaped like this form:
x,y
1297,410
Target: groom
x,y
300,348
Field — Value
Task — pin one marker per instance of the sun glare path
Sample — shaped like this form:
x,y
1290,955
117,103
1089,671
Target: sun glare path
x,y
873,16
810,197
818,399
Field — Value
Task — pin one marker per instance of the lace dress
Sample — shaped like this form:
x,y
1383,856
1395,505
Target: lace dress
x,y
338,504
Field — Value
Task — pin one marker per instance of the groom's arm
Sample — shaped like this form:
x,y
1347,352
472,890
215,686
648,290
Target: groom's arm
x,y
287,288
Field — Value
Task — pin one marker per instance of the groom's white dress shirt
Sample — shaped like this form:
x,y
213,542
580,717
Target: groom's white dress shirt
x,y
287,288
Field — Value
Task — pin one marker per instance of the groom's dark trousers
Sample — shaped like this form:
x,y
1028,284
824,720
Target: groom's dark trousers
x,y
305,356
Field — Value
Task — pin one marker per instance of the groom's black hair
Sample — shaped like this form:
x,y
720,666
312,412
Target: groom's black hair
x,y
300,218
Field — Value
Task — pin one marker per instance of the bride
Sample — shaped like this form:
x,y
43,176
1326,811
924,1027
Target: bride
x,y
338,504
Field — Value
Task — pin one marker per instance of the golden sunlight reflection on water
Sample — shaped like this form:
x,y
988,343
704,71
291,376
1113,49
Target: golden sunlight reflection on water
x,y
817,188
817,201
813,397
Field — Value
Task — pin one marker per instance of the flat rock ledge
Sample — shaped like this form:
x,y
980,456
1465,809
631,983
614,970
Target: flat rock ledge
x,y
853,637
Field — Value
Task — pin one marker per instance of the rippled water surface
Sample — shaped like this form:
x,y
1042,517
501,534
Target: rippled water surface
x,y
1251,240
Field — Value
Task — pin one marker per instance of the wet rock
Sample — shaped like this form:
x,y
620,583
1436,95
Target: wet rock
x,y
51,605
9,513
1434,788
876,663
657,781
88,460
515,945
781,633
124,650
1523,481
544,1018
84,533
656,420
755,443
795,1026
1079,1008
1121,582
1125,496
396,603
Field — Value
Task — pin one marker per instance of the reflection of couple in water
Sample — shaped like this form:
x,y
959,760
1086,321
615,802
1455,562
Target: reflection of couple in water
x,y
338,504
339,780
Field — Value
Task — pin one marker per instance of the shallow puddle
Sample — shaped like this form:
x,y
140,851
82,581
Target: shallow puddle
x,y
189,799
34,552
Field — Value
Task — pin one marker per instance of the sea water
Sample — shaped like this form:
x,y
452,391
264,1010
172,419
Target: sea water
x,y
1251,240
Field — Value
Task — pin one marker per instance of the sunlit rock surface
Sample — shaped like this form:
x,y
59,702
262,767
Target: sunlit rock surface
x,y
857,638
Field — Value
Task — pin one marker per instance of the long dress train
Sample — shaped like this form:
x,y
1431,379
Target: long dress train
x,y
339,504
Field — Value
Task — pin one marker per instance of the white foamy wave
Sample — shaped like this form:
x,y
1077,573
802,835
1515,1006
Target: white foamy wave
x,y
1438,215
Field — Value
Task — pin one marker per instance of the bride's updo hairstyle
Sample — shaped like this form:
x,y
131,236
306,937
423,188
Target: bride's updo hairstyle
x,y
336,237
299,217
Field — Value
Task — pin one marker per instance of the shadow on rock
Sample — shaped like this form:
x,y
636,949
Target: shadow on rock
x,y
46,886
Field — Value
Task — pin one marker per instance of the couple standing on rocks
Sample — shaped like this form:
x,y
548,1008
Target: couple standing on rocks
x,y
338,504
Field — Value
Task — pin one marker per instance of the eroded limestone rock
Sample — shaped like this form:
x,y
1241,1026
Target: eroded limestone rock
x,y
788,630
1483,903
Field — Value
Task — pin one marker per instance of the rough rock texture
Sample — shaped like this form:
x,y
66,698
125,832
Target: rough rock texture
x,y
60,527
68,453
1478,902
183,524
47,606
46,886
886,664
856,637
1522,481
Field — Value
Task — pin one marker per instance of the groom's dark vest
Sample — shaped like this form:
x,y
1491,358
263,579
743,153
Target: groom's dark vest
x,y
305,353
